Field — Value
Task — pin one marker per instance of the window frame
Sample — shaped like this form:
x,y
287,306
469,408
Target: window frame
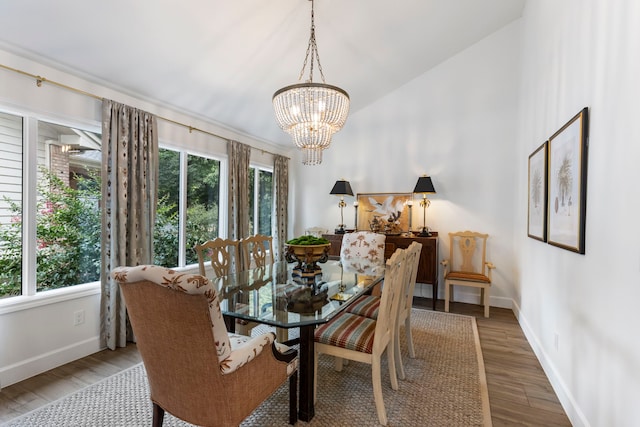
x,y
256,196
29,297
182,198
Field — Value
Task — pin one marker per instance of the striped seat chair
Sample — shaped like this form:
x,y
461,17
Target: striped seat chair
x,y
368,306
363,339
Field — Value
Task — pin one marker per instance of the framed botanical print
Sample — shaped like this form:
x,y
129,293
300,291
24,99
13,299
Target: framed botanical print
x,y
537,194
567,177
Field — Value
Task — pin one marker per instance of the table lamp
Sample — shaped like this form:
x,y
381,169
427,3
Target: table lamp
x,y
341,188
424,186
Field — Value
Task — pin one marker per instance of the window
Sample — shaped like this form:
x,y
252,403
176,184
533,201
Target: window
x,y
65,214
260,200
10,205
202,207
203,197
51,210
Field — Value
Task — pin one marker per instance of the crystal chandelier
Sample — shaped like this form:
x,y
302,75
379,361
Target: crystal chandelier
x,y
311,112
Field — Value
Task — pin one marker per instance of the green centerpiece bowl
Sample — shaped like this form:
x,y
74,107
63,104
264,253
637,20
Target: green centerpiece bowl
x,y
307,251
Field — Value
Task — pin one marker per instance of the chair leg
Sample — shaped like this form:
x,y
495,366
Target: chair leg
x,y
158,415
391,358
447,295
282,334
409,335
377,391
337,363
486,302
293,398
315,376
398,353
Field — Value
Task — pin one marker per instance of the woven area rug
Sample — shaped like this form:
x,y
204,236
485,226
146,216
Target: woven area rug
x,y
445,386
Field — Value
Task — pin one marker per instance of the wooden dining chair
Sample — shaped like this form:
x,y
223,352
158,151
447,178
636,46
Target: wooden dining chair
x,y
363,339
221,254
369,305
467,265
223,257
196,370
257,251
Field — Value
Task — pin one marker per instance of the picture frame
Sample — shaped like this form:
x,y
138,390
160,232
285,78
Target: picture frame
x,y
384,207
537,194
567,188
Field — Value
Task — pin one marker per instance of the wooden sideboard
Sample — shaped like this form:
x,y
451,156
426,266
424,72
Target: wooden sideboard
x,y
428,267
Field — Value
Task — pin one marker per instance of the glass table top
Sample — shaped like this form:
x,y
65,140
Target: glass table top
x,y
280,295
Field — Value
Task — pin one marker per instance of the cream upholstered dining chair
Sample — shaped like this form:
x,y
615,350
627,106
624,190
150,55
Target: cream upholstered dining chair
x,y
362,250
196,370
369,305
220,253
257,251
467,266
363,339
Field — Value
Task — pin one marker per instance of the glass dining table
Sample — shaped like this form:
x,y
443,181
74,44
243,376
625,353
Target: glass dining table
x,y
280,295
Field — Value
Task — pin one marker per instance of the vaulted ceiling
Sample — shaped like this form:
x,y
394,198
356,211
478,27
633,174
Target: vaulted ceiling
x,y
222,60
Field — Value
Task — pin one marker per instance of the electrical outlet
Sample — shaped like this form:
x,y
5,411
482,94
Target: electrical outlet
x,y
556,340
78,317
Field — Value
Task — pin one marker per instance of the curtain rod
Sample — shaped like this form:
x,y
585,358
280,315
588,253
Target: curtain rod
x,y
40,80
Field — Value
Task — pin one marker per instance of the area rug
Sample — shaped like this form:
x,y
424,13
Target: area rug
x,y
445,385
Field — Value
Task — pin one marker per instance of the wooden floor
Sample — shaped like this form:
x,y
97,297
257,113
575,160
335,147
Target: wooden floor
x,y
519,391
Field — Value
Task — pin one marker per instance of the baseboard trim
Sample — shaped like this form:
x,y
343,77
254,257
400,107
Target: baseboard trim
x,y
36,365
465,295
567,400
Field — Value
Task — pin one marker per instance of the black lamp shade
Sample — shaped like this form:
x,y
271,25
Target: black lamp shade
x,y
342,188
424,185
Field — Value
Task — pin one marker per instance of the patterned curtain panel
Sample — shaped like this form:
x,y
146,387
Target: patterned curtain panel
x,y
239,156
129,197
281,205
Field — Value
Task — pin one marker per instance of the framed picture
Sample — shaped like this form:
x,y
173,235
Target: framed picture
x,y
387,210
567,191
537,217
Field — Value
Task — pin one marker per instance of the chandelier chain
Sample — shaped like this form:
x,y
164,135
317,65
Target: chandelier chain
x,y
312,49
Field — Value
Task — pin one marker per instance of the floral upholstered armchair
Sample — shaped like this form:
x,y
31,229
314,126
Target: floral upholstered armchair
x,y
192,362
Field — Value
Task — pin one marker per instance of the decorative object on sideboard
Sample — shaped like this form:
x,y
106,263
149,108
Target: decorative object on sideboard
x,y
341,188
311,112
355,206
383,212
424,186
409,205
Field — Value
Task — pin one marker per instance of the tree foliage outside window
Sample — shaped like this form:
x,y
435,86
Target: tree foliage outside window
x,y
68,222
202,213
260,196
67,236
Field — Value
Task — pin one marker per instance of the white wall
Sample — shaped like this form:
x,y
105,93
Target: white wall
x,y
456,123
584,53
